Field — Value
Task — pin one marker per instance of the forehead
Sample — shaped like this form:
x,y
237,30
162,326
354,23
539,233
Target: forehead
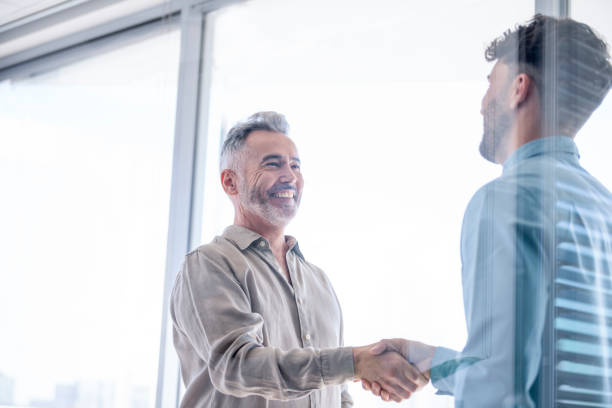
x,y
263,142
499,71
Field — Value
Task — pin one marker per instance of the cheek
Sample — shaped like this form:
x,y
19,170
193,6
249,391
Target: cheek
x,y
485,102
255,178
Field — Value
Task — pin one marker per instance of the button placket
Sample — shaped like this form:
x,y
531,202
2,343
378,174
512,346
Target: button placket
x,y
306,334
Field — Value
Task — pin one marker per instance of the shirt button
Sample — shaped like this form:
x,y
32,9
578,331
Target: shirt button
x,y
262,244
307,336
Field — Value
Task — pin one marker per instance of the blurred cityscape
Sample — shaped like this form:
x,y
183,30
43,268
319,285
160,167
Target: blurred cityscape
x,y
82,394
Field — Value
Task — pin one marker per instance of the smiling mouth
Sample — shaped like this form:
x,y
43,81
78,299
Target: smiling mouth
x,y
283,194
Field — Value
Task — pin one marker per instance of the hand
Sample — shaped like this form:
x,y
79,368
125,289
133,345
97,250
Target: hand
x,y
390,370
376,389
418,353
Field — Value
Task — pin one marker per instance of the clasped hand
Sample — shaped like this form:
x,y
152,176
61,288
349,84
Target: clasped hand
x,y
393,369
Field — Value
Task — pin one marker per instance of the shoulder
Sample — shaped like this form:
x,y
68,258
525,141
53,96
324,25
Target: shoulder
x,y
503,193
220,255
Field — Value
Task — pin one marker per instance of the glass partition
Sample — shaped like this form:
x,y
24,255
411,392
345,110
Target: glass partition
x,y
85,166
384,102
594,139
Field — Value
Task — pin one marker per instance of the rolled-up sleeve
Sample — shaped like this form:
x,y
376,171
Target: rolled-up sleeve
x,y
213,311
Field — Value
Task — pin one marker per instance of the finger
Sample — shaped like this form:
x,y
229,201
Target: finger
x,y
399,390
422,380
396,398
385,395
366,385
378,348
397,345
414,377
376,388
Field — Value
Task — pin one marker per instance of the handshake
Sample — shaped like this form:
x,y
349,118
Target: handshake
x,y
393,369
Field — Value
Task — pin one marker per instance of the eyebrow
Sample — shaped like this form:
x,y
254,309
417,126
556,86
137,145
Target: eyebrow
x,y
278,157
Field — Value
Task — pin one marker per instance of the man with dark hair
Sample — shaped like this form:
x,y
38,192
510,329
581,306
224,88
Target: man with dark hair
x,y
255,324
536,243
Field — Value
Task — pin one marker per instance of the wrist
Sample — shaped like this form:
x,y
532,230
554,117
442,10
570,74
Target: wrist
x,y
357,360
421,355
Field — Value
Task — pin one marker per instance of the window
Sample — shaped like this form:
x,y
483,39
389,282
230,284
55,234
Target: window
x,y
594,138
85,166
384,106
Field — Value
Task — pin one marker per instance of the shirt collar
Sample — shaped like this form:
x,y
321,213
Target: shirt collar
x,y
561,144
244,238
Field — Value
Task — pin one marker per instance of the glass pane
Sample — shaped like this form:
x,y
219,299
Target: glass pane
x,y
85,166
383,102
594,139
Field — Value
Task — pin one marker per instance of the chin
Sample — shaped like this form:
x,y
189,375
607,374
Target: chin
x,y
278,217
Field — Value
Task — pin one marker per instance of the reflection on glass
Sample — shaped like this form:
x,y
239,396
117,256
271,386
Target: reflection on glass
x,y
384,106
593,139
85,164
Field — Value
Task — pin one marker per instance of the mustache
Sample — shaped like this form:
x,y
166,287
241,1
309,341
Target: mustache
x,y
282,187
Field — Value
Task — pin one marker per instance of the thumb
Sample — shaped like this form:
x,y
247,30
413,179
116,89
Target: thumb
x,y
378,348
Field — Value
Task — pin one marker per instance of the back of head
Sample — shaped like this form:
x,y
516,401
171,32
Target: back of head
x,y
568,62
236,137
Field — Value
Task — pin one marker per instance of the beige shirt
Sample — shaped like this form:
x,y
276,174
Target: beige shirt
x,y
245,337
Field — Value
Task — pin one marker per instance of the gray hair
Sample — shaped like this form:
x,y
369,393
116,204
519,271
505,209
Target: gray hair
x,y
236,137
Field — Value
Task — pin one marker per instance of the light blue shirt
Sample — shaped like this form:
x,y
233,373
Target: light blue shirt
x,y
510,251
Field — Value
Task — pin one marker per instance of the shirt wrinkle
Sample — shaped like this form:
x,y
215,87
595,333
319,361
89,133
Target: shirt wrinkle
x,y
246,341
509,252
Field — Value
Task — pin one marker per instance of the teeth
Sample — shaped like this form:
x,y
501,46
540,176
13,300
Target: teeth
x,y
284,194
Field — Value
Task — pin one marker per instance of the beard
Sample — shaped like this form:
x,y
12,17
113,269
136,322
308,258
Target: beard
x,y
497,124
257,202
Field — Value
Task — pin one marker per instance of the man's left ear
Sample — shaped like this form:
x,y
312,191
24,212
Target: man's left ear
x,y
521,88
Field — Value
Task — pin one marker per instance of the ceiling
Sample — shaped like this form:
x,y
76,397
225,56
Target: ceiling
x,y
15,12
11,10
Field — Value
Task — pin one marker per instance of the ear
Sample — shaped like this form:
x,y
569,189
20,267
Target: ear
x,y
229,182
521,90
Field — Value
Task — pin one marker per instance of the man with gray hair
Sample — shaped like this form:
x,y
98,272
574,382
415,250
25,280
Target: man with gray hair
x,y
255,324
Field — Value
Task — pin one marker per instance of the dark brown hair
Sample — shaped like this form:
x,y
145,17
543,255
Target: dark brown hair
x,y
567,61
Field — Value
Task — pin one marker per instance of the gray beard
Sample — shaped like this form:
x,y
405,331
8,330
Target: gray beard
x,y
259,205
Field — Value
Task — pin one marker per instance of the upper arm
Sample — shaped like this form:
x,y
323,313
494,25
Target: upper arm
x,y
211,307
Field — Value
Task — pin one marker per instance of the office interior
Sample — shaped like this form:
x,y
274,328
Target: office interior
x,y
112,115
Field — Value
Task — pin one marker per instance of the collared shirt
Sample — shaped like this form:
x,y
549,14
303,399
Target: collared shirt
x,y
515,231
246,337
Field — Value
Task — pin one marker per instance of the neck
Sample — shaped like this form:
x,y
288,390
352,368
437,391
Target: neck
x,y
274,234
527,127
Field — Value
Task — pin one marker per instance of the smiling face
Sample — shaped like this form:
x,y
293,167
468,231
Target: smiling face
x,y
497,115
269,185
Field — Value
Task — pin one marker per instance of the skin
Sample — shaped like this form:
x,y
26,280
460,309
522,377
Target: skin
x,y
511,113
419,354
269,165
386,367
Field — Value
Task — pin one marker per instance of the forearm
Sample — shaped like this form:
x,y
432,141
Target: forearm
x,y
247,368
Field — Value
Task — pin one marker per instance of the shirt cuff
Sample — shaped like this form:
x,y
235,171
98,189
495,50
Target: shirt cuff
x,y
337,365
440,379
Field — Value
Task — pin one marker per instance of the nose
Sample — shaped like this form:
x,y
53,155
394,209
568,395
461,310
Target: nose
x,y
288,174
